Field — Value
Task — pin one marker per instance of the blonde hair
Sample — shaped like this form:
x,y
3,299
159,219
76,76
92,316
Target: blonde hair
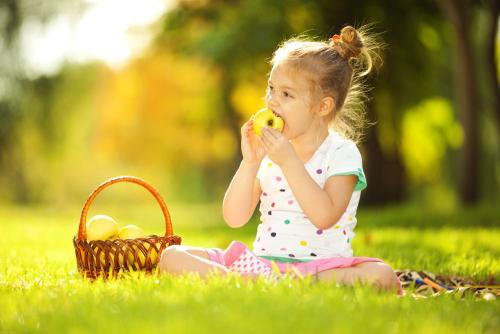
x,y
337,68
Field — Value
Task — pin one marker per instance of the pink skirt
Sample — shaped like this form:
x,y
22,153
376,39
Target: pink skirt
x,y
311,267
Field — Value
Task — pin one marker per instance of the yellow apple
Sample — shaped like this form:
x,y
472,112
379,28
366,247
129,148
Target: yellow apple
x,y
101,227
112,256
102,259
266,117
142,258
154,254
130,232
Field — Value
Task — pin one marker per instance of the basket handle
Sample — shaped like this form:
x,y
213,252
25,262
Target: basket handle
x,y
82,229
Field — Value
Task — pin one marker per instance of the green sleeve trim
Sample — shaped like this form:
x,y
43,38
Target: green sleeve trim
x,y
361,183
284,259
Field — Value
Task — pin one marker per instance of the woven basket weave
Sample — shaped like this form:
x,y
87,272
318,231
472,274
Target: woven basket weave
x,y
108,257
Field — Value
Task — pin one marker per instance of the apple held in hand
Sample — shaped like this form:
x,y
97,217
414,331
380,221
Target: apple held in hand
x,y
101,227
266,117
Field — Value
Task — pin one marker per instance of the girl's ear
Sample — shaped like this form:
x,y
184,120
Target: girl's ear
x,y
327,105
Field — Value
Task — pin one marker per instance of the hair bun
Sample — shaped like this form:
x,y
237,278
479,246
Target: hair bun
x,y
348,44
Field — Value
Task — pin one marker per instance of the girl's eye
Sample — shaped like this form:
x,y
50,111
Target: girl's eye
x,y
286,94
268,91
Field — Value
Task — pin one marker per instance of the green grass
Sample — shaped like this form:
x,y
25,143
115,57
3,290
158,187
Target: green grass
x,y
41,291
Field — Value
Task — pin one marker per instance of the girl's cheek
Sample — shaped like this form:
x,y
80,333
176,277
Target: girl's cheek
x,y
286,128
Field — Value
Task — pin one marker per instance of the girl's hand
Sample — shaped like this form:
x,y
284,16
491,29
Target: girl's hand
x,y
278,148
251,148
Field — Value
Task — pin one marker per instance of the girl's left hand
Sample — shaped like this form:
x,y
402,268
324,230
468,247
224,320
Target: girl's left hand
x,y
277,147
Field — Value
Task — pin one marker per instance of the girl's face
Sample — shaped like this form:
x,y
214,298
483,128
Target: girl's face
x,y
289,96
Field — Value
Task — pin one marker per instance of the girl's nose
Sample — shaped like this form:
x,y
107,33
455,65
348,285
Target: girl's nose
x,y
271,101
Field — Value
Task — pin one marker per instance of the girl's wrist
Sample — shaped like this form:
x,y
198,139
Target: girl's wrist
x,y
250,165
290,164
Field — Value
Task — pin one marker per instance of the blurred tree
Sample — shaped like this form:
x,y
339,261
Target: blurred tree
x,y
492,69
15,83
11,83
158,112
460,14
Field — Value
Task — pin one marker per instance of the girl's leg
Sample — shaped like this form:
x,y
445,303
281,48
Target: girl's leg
x,y
178,260
379,274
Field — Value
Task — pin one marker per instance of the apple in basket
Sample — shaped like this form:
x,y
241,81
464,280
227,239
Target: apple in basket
x,y
101,227
133,232
266,117
130,232
102,259
142,257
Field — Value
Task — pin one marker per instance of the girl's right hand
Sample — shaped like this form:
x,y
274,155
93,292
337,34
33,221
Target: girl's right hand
x,y
251,147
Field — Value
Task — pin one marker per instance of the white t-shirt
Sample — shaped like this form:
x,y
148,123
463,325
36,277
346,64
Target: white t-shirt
x,y
285,232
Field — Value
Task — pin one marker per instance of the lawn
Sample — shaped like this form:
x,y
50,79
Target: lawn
x,y
41,291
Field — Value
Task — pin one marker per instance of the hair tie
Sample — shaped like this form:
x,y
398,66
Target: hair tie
x,y
336,39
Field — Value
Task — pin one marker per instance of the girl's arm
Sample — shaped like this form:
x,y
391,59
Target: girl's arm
x,y
323,207
242,195
243,192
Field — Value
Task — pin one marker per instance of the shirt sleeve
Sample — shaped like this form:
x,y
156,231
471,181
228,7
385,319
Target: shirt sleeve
x,y
346,160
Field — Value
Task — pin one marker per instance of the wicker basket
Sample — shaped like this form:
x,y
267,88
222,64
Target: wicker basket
x,y
108,257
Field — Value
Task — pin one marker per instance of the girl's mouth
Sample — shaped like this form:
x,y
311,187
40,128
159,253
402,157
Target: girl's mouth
x,y
276,114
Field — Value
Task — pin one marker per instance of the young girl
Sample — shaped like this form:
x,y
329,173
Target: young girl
x,y
308,178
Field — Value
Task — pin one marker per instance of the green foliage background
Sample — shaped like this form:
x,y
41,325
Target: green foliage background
x,y
172,114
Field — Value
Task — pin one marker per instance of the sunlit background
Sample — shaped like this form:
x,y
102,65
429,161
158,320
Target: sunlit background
x,y
159,89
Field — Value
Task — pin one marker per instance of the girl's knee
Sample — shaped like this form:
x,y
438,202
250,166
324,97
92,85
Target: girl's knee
x,y
385,276
380,274
171,256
